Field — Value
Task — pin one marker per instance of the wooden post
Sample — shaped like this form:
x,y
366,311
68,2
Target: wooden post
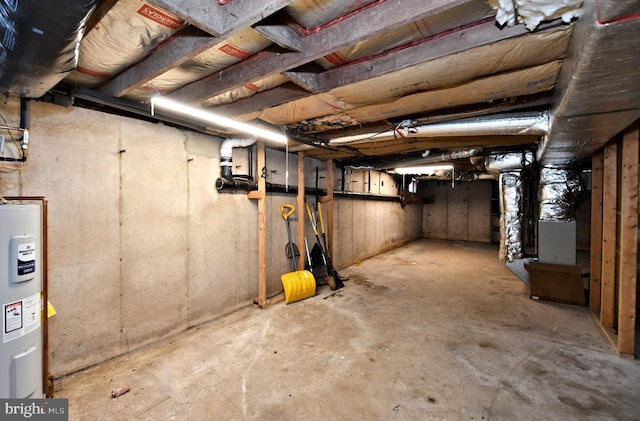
x,y
596,232
330,209
262,229
301,210
627,262
609,198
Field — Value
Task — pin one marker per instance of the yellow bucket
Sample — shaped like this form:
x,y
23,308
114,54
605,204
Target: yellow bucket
x,y
298,285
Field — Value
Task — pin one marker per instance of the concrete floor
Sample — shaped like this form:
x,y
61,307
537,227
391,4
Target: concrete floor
x,y
434,330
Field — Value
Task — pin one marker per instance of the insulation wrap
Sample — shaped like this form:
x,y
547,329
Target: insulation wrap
x,y
510,215
128,32
497,163
532,12
36,51
557,194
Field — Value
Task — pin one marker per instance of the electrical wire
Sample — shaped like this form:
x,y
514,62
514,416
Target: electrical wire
x,y
20,161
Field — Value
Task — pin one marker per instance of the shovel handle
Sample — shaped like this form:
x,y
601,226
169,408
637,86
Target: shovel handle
x,y
313,222
320,215
286,211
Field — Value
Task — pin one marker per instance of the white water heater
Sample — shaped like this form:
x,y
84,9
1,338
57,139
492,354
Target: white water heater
x,y
21,301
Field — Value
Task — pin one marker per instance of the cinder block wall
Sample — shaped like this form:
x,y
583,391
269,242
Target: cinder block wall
x,y
142,245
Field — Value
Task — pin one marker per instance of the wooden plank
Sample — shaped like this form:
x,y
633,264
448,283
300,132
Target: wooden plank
x,y
280,34
216,18
595,269
212,18
458,212
479,221
301,208
429,49
384,17
269,98
330,207
183,46
262,230
627,263
609,198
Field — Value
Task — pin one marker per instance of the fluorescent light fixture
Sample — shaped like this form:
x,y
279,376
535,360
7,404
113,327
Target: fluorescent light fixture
x,y
423,169
195,113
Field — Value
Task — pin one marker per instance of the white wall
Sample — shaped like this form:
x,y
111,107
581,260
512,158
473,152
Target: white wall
x,y
142,245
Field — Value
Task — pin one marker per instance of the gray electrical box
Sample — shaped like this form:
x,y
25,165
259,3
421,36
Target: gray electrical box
x,y
557,242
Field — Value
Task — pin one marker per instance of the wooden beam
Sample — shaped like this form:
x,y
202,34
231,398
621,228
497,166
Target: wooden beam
x,y
595,269
101,11
609,198
183,46
280,34
301,209
383,17
269,98
212,18
330,209
262,230
218,19
404,57
627,263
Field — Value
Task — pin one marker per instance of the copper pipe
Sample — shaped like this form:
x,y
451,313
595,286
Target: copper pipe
x,y
45,323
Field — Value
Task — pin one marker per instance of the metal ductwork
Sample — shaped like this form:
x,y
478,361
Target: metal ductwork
x,y
38,51
558,190
597,94
531,123
508,168
500,162
431,159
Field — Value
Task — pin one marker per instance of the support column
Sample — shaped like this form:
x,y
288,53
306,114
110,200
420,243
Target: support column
x,y
628,252
596,232
330,208
260,195
301,209
609,199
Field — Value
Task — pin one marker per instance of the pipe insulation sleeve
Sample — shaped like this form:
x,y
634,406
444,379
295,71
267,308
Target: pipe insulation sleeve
x,y
511,215
557,193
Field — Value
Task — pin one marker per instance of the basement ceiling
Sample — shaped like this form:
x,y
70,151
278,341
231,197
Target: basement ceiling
x,y
322,70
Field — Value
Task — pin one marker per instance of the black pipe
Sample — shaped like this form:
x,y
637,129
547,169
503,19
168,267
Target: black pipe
x,y
24,113
235,184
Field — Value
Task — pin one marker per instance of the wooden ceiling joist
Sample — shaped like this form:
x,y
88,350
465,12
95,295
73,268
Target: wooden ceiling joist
x,y
386,16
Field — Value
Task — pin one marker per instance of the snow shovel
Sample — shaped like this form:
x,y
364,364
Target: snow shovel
x,y
333,278
298,284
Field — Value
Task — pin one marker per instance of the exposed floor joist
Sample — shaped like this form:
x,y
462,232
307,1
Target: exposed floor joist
x,y
191,41
386,16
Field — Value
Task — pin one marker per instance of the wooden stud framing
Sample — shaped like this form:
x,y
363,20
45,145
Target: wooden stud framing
x,y
301,209
330,208
609,197
596,232
262,230
628,251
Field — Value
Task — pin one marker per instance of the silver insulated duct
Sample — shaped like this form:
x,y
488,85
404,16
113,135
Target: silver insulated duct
x,y
510,215
531,123
557,193
509,167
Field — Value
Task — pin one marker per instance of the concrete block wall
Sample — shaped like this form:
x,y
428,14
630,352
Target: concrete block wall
x,y
142,245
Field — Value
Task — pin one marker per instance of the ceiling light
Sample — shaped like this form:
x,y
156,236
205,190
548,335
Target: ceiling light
x,y
202,115
423,170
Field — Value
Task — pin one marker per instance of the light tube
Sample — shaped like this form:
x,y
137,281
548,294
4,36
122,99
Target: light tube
x,y
423,170
196,113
